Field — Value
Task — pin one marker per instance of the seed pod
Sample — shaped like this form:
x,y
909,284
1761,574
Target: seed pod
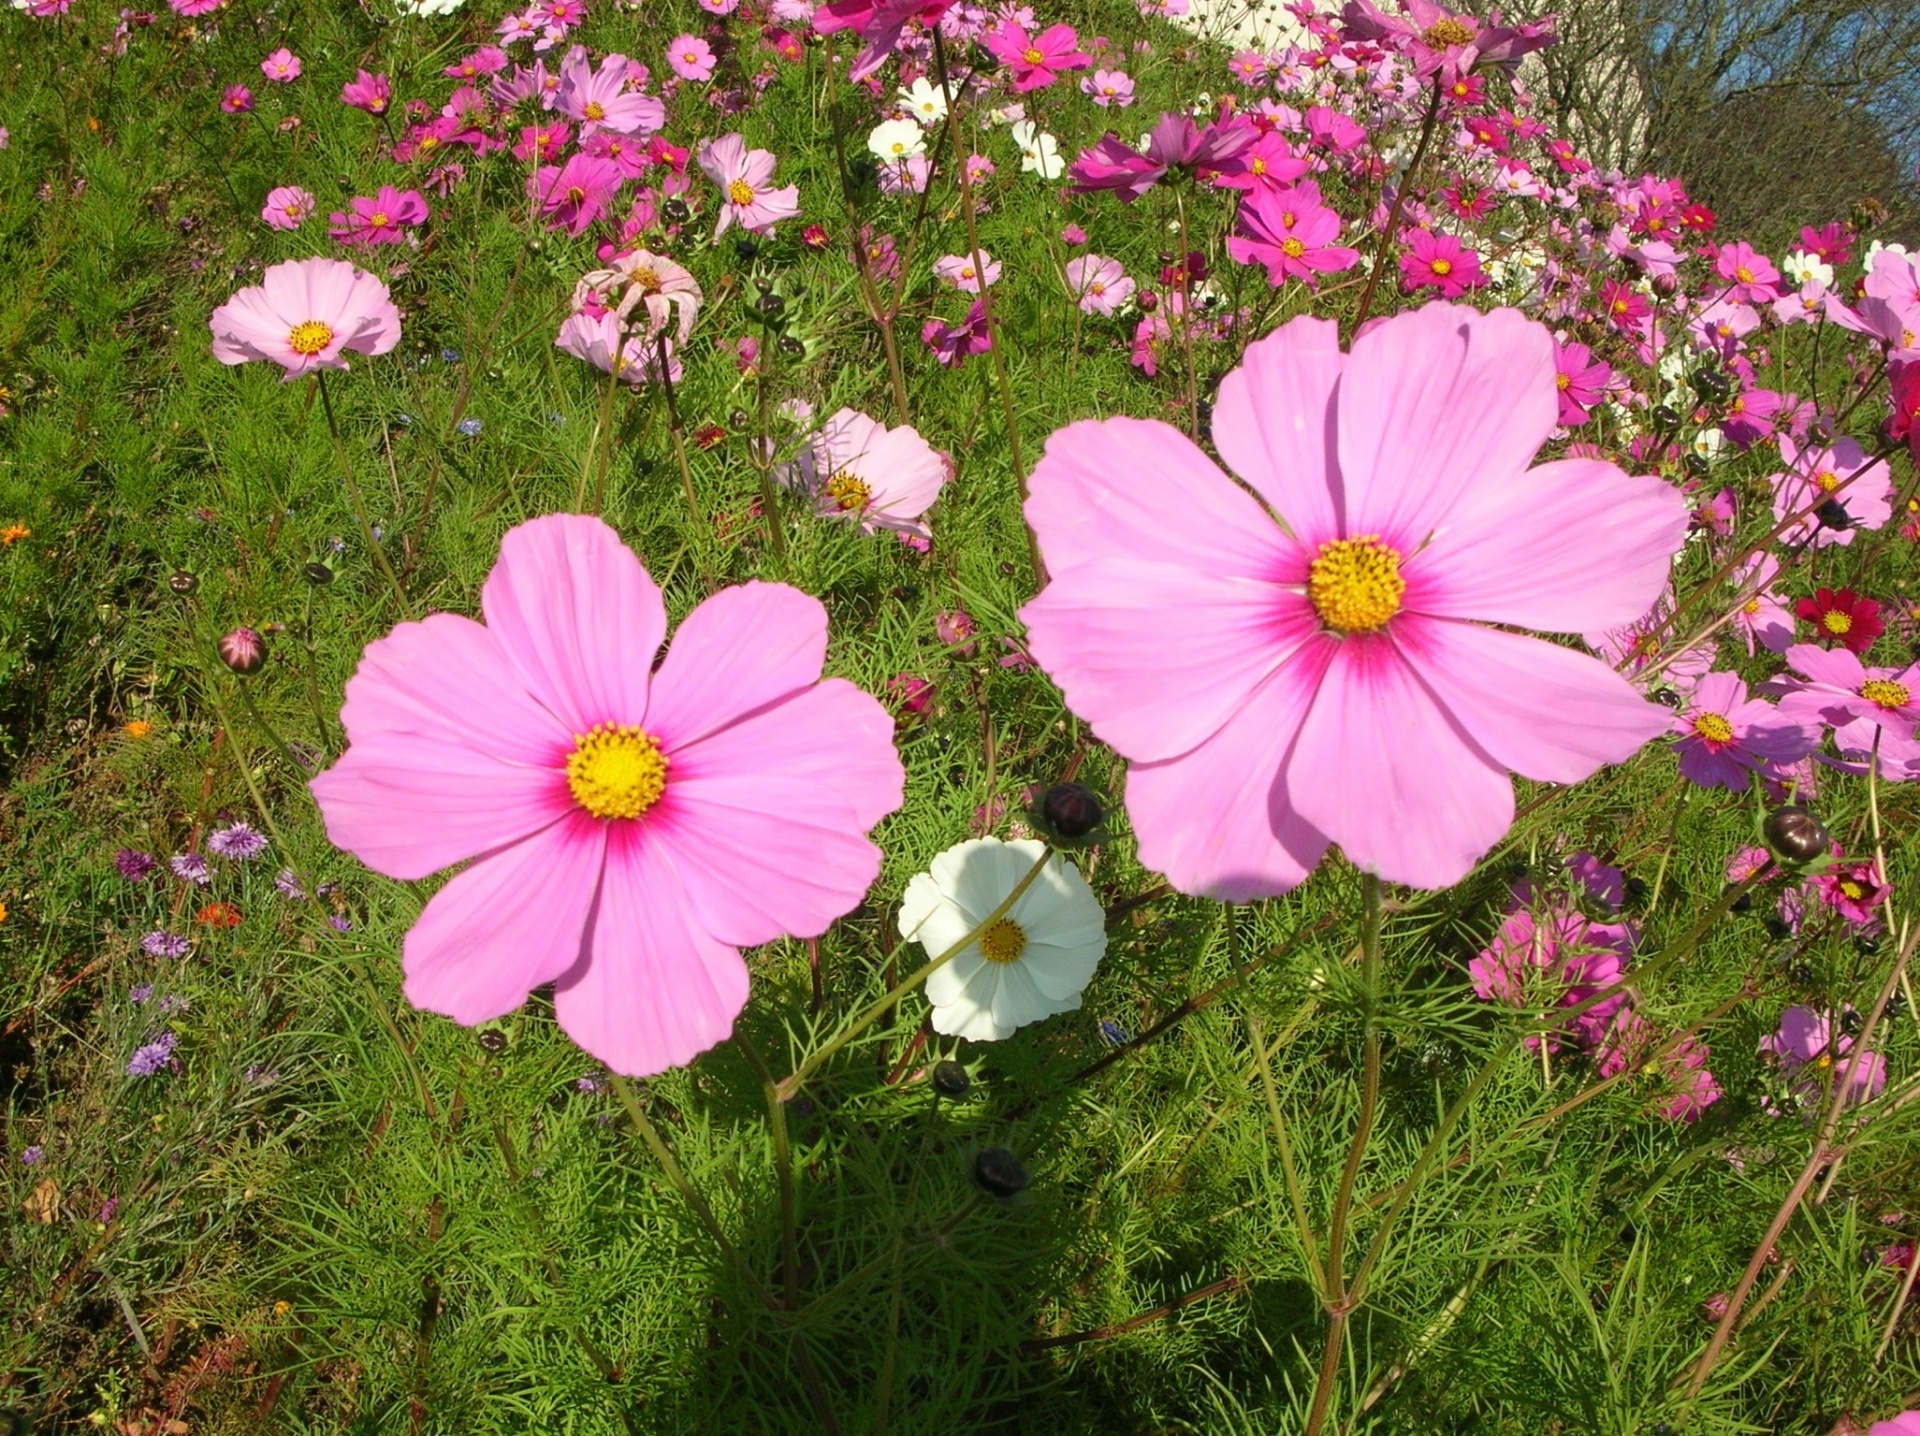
x,y
493,1040
1071,809
950,1079
1666,697
1795,835
675,211
243,650
183,583
791,347
318,574
999,1173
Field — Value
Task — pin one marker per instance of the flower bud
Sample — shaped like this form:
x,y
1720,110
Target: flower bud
x,y
1712,384
1795,835
999,1173
792,348
1071,809
1665,417
318,574
950,1079
183,583
1833,515
675,211
243,650
1147,301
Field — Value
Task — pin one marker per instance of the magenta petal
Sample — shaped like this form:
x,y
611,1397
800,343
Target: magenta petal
x,y
578,618
1219,821
1274,424
743,648
505,925
1544,711
1385,771
654,990
448,756
1573,546
1436,405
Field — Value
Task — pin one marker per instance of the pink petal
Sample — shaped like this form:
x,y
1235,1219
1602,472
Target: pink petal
x,y
1385,771
740,650
577,617
500,928
447,754
1219,821
1435,405
1274,424
1544,711
654,990
1572,546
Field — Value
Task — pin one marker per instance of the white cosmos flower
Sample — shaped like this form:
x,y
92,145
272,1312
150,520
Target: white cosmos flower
x,y
896,141
1039,151
1803,268
1030,963
924,101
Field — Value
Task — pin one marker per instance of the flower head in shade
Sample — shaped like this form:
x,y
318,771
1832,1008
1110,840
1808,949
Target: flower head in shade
x,y
1555,957
859,470
1725,737
1907,1423
134,865
954,343
237,843
607,344
287,207
625,829
1035,61
1031,962
745,180
383,219
305,315
1814,1052
1684,1088
1335,676
154,1057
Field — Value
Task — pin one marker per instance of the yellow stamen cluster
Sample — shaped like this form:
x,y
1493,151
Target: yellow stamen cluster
x,y
849,492
1292,247
595,110
1445,33
616,770
1713,727
1003,941
1836,622
1032,56
1826,481
1885,692
1355,584
739,191
1442,267
309,337
1852,889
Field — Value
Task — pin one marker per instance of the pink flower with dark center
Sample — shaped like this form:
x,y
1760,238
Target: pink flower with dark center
x,y
304,315
1581,381
1725,737
691,58
1330,676
625,830
1441,262
952,344
281,66
1100,284
575,194
745,181
1292,233
287,207
859,470
384,219
1035,61
372,93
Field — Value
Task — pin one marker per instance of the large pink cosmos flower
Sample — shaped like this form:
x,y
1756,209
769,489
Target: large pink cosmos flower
x,y
629,829
1035,61
1292,233
304,315
1322,671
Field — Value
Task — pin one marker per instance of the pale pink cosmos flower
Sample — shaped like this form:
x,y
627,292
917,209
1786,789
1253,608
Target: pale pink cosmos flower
x,y
691,58
1277,689
600,100
859,470
1108,87
1725,737
629,830
1842,473
1099,283
193,9
281,66
304,315
745,179
644,281
1761,617
1809,1049
288,207
959,271
606,343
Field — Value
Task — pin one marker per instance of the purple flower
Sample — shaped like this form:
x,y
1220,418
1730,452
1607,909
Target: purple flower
x,y
109,1209
165,944
141,993
262,1074
173,1002
340,924
33,1156
239,843
589,1085
135,866
952,344
190,867
284,881
150,1059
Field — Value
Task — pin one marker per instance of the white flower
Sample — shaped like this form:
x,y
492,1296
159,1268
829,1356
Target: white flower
x,y
925,102
1874,247
1030,963
1803,268
1707,443
430,7
1039,151
896,141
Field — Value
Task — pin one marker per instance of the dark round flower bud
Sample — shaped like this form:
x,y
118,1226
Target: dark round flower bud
x,y
318,574
1743,903
1801,972
999,1172
1712,384
1666,697
983,59
1851,1022
1147,301
1072,810
1795,835
1666,416
738,418
493,1040
496,373
1866,944
675,211
746,248
183,583
1833,515
1635,890
791,347
1896,1007
243,650
1777,929
536,246
769,307
1696,465
950,1079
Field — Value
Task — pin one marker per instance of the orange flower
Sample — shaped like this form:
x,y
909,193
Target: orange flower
x,y
139,728
13,533
219,914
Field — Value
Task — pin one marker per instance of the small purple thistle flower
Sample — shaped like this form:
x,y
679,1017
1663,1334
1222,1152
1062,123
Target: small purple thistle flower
x,y
109,1210
340,924
134,865
150,1059
165,944
238,843
190,868
284,881
140,993
33,1156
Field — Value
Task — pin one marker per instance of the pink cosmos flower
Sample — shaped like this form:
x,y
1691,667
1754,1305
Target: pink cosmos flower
x,y
1581,380
1108,87
1555,958
1762,617
304,315
193,9
1688,1087
745,179
952,344
691,58
1853,890
287,207
1267,165
539,143
958,270
879,23
1808,1047
1277,689
1176,142
1100,284
384,219
1442,41
652,284
1035,61
1442,262
281,66
1750,275
236,100
575,194
1726,737
1841,474
1835,688
629,830
1625,307
487,60
1292,233
600,100
859,470
372,93
604,341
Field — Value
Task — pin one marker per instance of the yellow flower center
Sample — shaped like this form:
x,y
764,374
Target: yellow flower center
x,y
849,492
1446,33
1292,247
1751,606
1744,274
616,770
595,110
1003,941
1852,889
1259,166
1885,692
739,191
1442,267
646,280
1836,622
1826,481
1713,727
309,337
1355,585
1823,1061
1563,382
429,142
1032,56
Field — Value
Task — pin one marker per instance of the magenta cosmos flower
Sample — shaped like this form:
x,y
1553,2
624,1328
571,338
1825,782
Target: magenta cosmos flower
x,y
372,93
629,829
745,178
304,315
1324,672
281,66
1440,262
691,58
287,207
1036,61
1725,737
1292,233
384,219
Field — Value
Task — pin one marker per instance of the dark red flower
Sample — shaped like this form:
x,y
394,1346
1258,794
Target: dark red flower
x,y
1842,616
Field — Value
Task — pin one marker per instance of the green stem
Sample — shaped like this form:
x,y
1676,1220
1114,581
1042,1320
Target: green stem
x,y
1393,215
353,495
